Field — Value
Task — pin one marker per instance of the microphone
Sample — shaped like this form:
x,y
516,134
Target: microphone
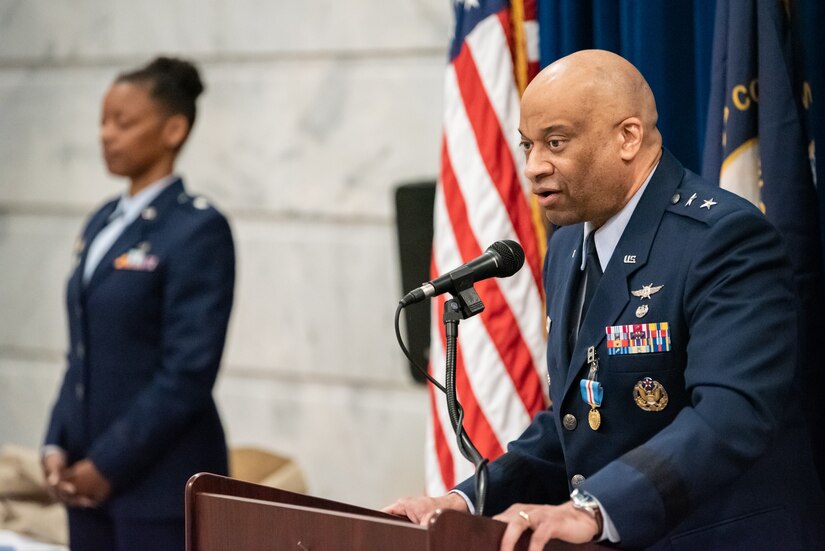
x,y
501,259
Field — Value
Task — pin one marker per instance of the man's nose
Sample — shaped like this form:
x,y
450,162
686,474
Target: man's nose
x,y
537,167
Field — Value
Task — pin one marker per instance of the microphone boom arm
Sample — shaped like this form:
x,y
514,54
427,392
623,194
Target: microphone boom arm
x,y
455,310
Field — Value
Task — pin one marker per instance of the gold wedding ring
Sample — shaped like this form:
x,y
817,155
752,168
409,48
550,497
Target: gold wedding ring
x,y
526,517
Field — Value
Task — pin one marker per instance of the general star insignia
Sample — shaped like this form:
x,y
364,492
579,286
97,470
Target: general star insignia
x,y
708,203
646,291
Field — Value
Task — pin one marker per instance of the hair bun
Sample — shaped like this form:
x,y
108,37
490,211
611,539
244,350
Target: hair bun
x,y
182,72
174,83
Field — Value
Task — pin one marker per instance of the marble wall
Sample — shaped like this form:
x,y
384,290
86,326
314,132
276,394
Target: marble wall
x,y
314,112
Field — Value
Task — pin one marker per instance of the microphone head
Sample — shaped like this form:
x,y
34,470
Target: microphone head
x,y
511,255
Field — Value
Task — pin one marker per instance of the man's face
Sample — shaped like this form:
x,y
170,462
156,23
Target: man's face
x,y
572,153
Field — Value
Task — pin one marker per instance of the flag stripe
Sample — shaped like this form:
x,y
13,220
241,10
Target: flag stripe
x,y
446,469
475,422
490,219
488,50
496,154
497,317
483,196
445,253
442,453
489,376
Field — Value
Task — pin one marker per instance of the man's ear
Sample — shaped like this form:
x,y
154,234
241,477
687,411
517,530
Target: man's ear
x,y
632,134
175,130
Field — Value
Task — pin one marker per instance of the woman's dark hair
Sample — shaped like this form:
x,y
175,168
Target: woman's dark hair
x,y
174,83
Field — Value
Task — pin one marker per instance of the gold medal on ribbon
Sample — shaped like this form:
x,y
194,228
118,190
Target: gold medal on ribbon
x,y
594,419
592,391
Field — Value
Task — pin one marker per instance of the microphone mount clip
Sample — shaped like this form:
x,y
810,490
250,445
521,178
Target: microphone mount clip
x,y
465,294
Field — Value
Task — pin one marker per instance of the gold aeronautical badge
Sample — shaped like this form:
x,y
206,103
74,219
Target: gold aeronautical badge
x,y
646,291
650,395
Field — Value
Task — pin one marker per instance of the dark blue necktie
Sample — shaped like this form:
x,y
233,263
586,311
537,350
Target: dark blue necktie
x,y
592,273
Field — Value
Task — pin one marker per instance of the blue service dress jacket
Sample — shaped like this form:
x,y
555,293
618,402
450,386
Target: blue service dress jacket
x,y
702,444
146,337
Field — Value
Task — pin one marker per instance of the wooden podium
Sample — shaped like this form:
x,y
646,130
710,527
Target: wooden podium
x,y
224,514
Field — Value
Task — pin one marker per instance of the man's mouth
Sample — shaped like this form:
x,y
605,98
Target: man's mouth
x,y
546,197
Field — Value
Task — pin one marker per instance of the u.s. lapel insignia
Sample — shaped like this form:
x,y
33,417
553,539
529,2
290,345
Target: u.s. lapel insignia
x,y
650,395
149,213
641,311
690,201
646,291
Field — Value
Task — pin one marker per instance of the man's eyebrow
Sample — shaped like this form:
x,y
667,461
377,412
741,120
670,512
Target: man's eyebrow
x,y
565,128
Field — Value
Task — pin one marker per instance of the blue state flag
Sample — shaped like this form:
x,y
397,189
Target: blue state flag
x,y
757,145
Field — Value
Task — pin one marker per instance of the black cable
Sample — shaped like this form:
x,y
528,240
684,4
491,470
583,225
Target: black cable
x,y
456,412
481,486
423,371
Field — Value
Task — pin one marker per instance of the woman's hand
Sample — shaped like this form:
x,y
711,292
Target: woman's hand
x,y
90,486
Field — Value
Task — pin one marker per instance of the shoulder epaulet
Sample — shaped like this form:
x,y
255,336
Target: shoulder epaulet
x,y
704,203
197,202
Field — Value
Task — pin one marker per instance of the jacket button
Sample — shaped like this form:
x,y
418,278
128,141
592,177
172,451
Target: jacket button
x,y
79,391
570,422
576,480
675,199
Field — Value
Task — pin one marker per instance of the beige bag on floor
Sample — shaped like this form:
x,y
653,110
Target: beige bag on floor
x,y
25,505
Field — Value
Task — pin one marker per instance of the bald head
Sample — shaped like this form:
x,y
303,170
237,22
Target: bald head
x,y
602,85
588,127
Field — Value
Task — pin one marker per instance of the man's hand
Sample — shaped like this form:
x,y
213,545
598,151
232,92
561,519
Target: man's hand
x,y
562,522
420,509
91,487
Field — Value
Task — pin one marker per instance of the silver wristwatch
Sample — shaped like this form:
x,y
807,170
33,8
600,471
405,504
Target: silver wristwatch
x,y
586,502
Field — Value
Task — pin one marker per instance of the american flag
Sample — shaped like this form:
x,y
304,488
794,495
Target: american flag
x,y
481,197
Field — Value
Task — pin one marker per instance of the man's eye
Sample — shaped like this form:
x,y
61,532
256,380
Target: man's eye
x,y
525,146
555,144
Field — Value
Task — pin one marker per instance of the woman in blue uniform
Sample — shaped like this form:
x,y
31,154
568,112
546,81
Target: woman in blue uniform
x,y
148,305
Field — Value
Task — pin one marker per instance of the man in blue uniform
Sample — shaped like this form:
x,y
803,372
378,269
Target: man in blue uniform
x,y
671,345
